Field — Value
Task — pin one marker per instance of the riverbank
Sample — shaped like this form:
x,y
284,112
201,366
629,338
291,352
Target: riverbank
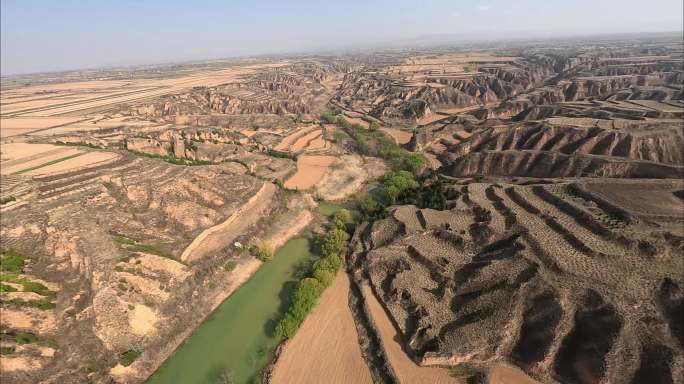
x,y
237,340
237,278
208,300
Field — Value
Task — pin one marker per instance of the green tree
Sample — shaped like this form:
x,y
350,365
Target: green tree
x,y
331,263
334,242
325,276
304,299
397,183
287,327
370,208
306,296
334,261
343,219
414,162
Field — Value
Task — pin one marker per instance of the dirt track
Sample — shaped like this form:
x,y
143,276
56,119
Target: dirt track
x,y
220,235
325,349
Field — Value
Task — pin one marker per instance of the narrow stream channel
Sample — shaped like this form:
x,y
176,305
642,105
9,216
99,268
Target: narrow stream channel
x,y
237,341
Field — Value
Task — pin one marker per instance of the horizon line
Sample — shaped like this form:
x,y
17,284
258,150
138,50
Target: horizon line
x,y
409,43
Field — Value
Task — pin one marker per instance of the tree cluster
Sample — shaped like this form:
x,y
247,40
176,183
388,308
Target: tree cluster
x,y
331,245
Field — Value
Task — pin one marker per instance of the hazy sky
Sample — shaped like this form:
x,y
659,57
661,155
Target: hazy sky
x,y
52,35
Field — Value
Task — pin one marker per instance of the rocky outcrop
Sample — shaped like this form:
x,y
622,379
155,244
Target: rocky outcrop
x,y
227,104
661,146
193,144
395,98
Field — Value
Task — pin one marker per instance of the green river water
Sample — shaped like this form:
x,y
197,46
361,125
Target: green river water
x,y
237,340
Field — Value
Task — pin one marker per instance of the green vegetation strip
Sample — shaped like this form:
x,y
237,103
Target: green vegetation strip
x,y
310,288
51,162
22,338
11,261
88,145
134,246
7,350
25,338
374,142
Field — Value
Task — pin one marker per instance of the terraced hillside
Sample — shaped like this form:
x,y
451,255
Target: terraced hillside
x,y
101,274
554,278
134,201
610,114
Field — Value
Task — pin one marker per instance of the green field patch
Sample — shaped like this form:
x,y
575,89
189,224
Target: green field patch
x,y
7,199
50,163
133,245
12,260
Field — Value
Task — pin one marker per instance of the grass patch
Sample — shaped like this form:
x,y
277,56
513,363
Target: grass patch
x,y
470,68
10,278
230,266
7,288
50,163
6,350
25,338
12,260
32,286
43,304
151,248
127,358
118,268
7,199
123,240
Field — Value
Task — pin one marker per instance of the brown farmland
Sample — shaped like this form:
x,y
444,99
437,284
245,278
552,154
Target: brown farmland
x,y
308,357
